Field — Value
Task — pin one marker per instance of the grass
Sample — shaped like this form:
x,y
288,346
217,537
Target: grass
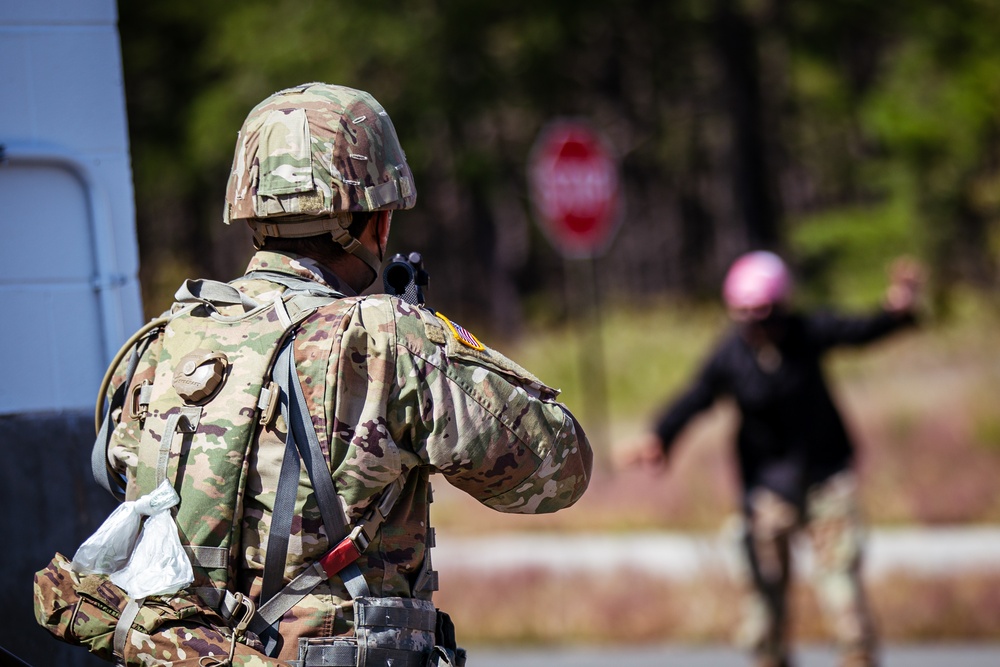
x,y
535,607
921,407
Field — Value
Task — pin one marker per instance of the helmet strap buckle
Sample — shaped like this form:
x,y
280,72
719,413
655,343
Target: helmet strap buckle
x,y
356,248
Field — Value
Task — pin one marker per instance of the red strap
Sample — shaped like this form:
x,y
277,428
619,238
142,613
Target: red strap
x,y
339,557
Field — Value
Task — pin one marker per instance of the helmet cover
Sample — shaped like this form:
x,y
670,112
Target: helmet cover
x,y
755,280
317,150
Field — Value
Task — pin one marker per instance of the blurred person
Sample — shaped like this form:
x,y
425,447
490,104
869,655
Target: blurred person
x,y
299,423
795,457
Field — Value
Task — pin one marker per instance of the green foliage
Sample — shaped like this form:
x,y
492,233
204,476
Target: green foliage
x,y
930,113
935,112
648,353
877,125
844,254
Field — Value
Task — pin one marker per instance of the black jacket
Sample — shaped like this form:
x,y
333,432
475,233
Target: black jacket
x,y
791,434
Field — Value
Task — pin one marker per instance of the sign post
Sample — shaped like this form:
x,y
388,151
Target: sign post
x,y
574,186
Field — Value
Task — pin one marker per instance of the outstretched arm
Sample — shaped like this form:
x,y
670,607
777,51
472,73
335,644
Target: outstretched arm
x,y
652,449
906,278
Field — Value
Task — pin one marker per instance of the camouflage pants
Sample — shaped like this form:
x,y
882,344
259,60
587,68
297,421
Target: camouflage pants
x,y
830,519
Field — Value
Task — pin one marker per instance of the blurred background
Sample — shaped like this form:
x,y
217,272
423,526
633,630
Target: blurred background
x,y
841,134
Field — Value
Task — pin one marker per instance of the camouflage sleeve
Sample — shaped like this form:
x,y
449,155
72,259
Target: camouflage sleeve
x,y
489,426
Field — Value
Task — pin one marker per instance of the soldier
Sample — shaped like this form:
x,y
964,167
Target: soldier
x,y
795,457
325,561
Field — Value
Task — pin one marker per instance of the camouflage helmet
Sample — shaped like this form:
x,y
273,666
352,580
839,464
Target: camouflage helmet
x,y
308,157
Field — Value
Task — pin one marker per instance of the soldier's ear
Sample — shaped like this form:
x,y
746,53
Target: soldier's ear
x,y
383,222
380,223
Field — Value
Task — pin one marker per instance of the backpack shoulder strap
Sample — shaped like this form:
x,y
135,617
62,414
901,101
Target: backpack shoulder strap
x,y
346,542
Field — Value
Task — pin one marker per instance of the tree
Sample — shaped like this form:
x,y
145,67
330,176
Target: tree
x,y
735,121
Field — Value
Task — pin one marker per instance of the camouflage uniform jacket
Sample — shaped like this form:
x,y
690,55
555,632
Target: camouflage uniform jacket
x,y
393,390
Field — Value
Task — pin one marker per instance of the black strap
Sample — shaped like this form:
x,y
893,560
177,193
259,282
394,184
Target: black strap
x,y
281,520
300,441
371,616
346,655
300,423
276,555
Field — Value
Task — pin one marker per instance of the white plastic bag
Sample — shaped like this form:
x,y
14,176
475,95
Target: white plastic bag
x,y
158,565
110,547
148,563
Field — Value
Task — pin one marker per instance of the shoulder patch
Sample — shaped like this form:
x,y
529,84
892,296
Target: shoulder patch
x,y
461,334
463,347
433,327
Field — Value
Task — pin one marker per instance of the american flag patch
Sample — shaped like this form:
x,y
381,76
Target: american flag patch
x,y
462,335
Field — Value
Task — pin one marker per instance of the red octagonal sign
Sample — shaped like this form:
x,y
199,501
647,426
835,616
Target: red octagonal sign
x,y
574,188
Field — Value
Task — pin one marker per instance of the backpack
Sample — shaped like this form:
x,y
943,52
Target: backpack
x,y
200,383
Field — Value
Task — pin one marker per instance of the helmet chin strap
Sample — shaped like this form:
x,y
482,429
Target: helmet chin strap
x,y
356,248
310,226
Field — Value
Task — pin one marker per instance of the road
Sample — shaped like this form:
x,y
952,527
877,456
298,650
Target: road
x,y
675,555
987,655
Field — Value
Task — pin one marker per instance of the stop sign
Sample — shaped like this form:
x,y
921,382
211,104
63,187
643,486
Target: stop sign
x,y
573,179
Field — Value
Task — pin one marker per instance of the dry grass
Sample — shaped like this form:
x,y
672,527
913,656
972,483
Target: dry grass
x,y
542,608
538,607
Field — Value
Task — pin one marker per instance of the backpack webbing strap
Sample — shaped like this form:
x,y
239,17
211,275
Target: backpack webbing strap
x,y
349,549
124,624
270,613
265,620
185,420
427,580
300,441
281,518
100,467
226,603
293,283
207,557
213,293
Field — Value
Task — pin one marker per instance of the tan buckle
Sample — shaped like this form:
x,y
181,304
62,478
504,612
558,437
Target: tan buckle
x,y
241,600
239,629
272,403
361,536
136,409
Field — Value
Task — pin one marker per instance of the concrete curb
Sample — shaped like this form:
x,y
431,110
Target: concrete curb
x,y
679,555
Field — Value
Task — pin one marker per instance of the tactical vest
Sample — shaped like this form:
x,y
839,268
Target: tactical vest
x,y
200,383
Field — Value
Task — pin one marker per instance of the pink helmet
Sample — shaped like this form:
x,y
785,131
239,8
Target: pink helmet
x,y
755,280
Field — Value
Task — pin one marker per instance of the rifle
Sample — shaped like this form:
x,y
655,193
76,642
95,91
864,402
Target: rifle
x,y
404,276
